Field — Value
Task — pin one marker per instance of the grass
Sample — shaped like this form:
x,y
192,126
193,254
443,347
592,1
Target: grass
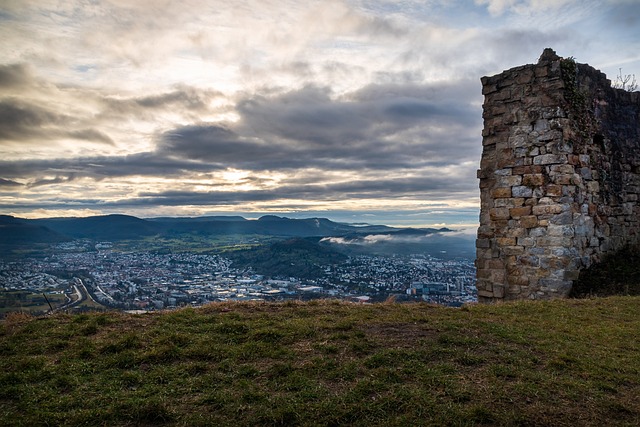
x,y
569,362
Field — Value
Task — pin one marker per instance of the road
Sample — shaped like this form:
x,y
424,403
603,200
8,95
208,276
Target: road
x,y
81,292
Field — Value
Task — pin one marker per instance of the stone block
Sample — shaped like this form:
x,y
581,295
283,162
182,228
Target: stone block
x,y
553,241
513,250
561,169
516,231
560,230
562,179
547,209
538,231
521,191
495,264
508,181
526,241
526,170
500,193
550,159
503,172
483,243
497,276
499,213
485,232
484,274
585,173
533,180
564,218
506,241
513,202
553,190
520,211
485,294
498,291
529,221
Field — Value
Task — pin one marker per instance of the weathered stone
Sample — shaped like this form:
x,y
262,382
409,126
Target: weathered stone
x,y
533,180
513,250
553,190
547,209
483,243
559,186
529,221
499,213
560,230
526,241
500,193
498,291
508,181
521,191
503,172
519,212
593,186
513,202
549,159
506,241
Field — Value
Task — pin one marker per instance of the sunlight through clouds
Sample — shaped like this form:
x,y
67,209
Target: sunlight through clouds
x,y
350,108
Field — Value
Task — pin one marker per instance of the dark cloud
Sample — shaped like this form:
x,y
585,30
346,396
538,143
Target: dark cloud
x,y
91,135
9,183
101,167
183,97
381,132
379,127
14,75
51,181
24,121
20,120
432,187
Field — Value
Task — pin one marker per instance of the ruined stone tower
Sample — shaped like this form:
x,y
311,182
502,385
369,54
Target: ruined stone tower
x,y
559,177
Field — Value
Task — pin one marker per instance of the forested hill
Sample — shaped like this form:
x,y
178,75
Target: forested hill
x,y
123,227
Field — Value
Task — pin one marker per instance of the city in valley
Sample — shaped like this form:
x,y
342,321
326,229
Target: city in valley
x,y
82,275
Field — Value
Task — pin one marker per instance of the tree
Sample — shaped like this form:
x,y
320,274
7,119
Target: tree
x,y
626,82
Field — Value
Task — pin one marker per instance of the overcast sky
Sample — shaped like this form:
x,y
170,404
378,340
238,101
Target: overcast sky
x,y
355,110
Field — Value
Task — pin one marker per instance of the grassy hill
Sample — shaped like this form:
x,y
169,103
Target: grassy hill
x,y
559,363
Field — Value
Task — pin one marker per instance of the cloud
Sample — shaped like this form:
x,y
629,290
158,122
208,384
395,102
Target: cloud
x,y
9,183
498,7
374,239
25,122
14,75
51,181
390,126
20,120
291,104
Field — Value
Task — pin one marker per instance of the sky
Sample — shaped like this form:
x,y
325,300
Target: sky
x,y
354,110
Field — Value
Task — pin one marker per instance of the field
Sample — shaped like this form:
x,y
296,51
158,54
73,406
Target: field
x,y
29,302
569,362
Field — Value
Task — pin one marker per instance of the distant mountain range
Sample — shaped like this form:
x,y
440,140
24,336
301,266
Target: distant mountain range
x,y
19,232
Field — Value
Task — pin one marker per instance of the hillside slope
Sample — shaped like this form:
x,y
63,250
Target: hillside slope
x,y
561,363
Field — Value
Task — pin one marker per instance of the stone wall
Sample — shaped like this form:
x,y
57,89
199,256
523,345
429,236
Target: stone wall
x,y
559,177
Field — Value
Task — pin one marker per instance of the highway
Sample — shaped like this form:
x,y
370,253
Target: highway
x,y
81,293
